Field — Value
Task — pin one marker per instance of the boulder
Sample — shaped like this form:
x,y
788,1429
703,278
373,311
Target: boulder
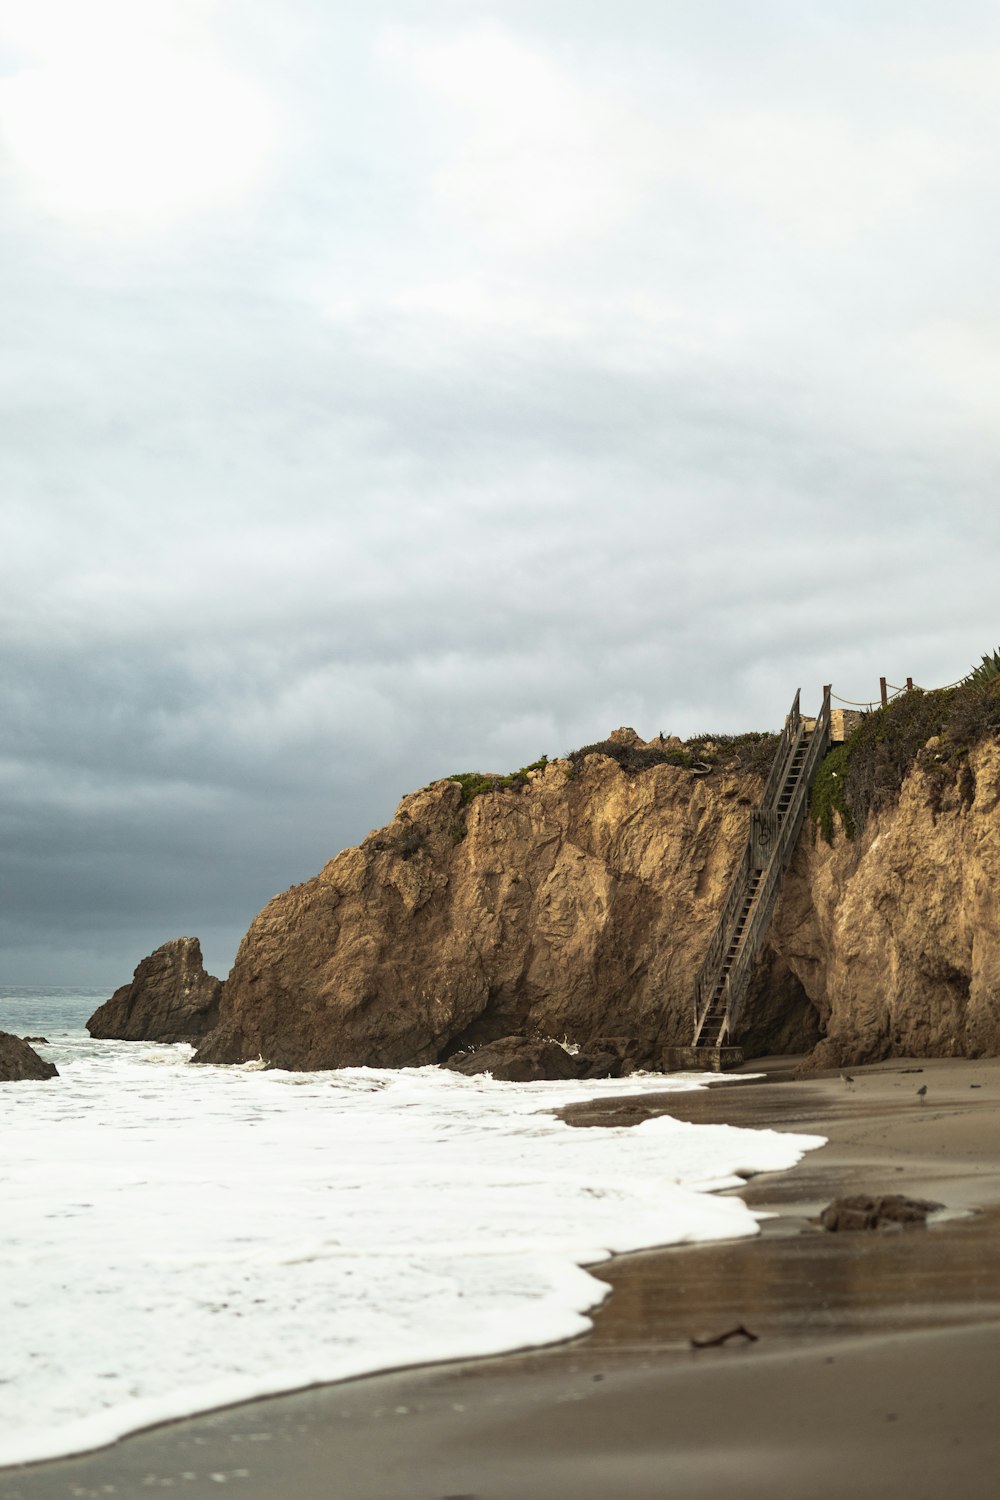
x,y
170,999
609,1057
20,1063
891,1211
516,1059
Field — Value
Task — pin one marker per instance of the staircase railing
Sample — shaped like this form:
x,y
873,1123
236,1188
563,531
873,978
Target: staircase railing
x,y
766,899
771,842
786,741
708,974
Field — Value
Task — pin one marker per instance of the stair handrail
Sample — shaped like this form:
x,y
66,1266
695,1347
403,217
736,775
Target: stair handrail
x,y
719,942
780,833
744,961
707,975
786,739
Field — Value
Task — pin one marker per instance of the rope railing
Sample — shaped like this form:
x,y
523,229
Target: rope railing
x,y
894,690
855,703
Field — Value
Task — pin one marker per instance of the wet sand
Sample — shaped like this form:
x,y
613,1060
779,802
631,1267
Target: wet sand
x,y
875,1370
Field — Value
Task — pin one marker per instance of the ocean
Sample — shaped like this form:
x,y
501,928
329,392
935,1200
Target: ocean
x,y
176,1238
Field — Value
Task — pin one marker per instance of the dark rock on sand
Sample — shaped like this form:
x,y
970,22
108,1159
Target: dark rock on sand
x,y
609,1057
19,1063
516,1059
170,999
892,1211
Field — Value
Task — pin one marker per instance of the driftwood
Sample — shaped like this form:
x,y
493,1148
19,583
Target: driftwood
x,y
739,1332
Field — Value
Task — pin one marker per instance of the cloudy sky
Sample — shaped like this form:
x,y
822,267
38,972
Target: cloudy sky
x,y
406,388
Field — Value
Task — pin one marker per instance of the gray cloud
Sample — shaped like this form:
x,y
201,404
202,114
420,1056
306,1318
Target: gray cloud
x,y
474,430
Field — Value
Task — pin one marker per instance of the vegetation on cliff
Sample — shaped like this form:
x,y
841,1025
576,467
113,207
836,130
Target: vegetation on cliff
x,y
752,752
933,730
478,783
988,670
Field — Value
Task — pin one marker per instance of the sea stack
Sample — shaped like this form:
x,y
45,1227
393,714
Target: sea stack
x,y
170,999
20,1063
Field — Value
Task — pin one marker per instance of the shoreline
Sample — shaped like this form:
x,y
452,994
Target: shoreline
x,y
875,1348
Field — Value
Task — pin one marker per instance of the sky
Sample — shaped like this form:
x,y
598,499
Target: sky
x,y
405,389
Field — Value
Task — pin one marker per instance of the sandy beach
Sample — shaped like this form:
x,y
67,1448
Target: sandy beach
x,y
874,1370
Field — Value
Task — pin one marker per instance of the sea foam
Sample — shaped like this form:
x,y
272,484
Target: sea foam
x,y
176,1238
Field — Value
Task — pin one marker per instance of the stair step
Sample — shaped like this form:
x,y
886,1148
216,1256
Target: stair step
x,y
725,984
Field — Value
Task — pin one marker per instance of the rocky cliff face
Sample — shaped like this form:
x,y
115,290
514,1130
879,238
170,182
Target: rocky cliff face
x,y
895,937
170,999
579,904
576,905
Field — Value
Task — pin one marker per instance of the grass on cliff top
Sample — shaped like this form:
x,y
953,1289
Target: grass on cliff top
x,y
751,752
867,772
476,784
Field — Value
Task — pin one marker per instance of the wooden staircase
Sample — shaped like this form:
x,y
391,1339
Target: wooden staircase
x,y
725,975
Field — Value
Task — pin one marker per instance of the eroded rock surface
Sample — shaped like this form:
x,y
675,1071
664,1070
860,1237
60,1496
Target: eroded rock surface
x,y
579,904
20,1063
895,938
170,999
576,906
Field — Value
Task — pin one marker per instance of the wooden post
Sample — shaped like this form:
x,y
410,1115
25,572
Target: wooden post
x,y
884,692
909,684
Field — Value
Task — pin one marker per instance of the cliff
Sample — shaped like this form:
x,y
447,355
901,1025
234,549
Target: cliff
x,y
170,999
573,902
895,934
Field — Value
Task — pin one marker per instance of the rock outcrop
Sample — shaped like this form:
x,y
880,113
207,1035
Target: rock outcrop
x,y
20,1063
575,905
895,936
517,1059
575,901
170,999
890,1211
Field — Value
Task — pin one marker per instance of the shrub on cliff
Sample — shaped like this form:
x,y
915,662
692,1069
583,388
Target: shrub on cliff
x,y
478,784
753,752
935,730
988,670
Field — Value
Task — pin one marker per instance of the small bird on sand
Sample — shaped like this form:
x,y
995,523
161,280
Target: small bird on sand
x,y
922,1092
848,1080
